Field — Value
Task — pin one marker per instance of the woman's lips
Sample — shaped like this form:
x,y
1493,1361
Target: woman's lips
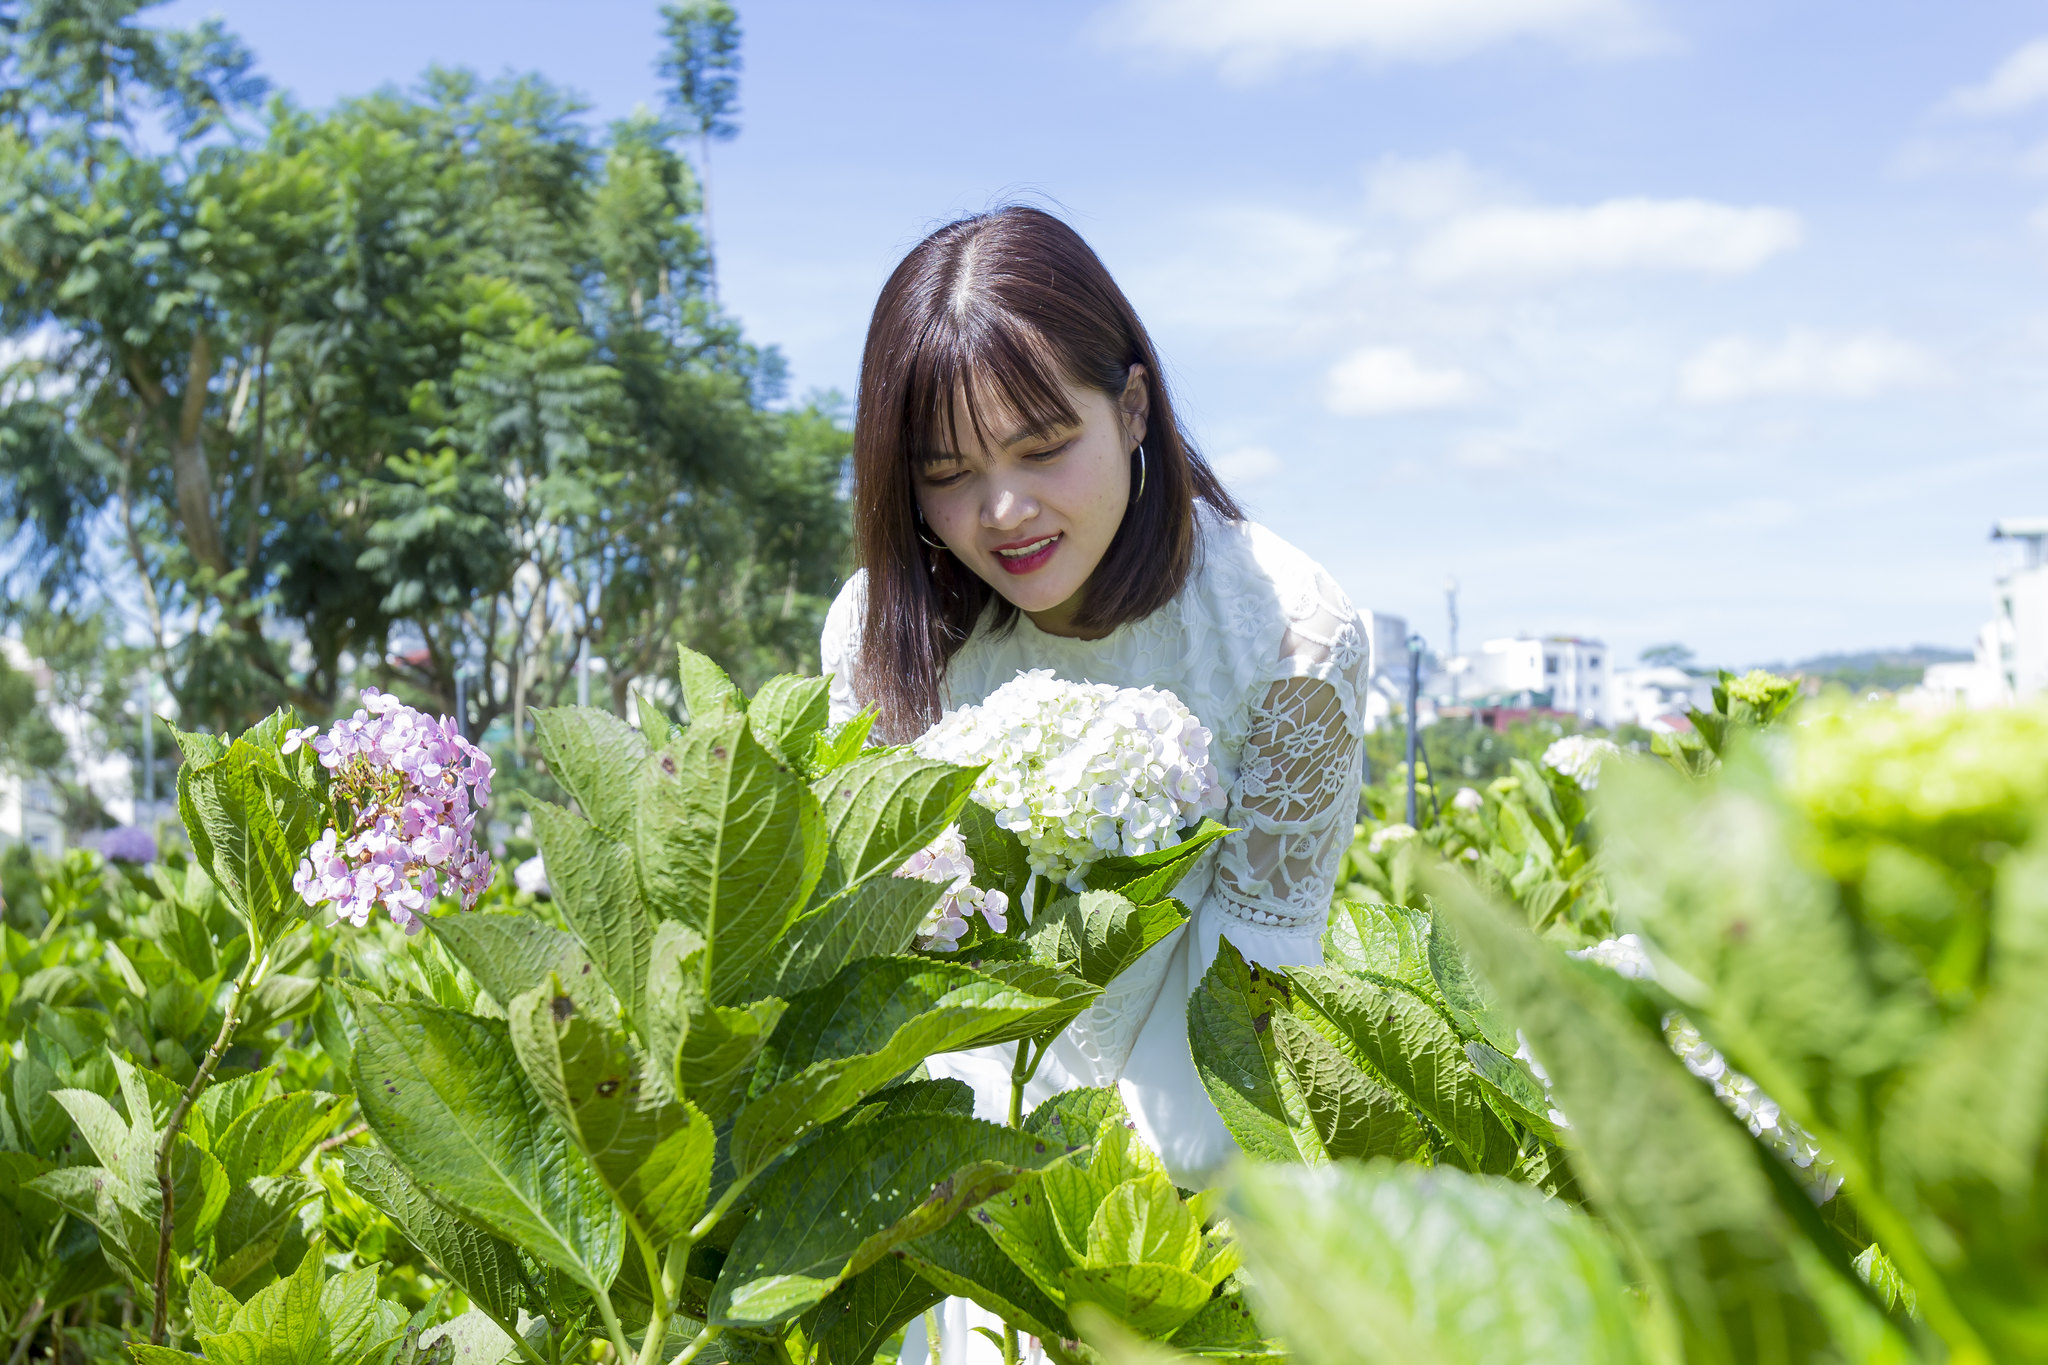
x,y
1034,556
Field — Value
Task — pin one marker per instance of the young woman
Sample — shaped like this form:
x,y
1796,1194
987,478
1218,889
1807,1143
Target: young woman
x,y
1024,498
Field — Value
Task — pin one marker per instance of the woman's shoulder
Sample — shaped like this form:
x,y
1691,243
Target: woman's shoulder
x,y
1276,598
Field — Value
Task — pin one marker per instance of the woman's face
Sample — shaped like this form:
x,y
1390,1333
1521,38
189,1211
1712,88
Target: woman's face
x,y
1034,515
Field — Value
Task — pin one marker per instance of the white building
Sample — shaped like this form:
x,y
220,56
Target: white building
x,y
1572,671
1652,696
2011,662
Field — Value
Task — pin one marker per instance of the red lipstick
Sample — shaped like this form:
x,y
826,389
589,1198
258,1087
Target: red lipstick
x,y
1023,564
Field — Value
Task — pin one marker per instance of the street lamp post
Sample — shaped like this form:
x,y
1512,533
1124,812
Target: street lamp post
x,y
1414,693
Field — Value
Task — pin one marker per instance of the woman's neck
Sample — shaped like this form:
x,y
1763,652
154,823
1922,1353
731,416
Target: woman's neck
x,y
1059,620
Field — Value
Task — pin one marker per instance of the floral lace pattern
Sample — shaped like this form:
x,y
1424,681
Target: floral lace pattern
x,y
1268,653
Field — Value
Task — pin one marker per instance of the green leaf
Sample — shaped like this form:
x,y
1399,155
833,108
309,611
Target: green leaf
x,y
1230,1031
1468,1001
1073,1117
1151,877
1354,1116
1065,995
711,1048
276,1135
1389,941
444,1092
1099,935
962,1258
708,694
877,918
510,955
864,1029
256,826
730,844
1515,1093
839,745
859,1317
886,805
850,1200
1405,1045
253,1222
1387,1264
483,1265
1653,1149
788,714
1151,1299
1000,861
597,758
652,1153
597,891
1143,1219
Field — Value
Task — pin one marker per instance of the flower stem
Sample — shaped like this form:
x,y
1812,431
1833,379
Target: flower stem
x,y
697,1343
251,976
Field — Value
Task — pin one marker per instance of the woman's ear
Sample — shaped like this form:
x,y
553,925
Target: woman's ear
x,y
1135,404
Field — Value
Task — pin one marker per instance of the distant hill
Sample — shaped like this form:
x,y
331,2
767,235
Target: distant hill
x,y
1874,670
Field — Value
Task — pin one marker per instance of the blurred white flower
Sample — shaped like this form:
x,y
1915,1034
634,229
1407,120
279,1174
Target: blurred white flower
x,y
1579,757
531,877
1624,955
1468,798
1386,836
1082,771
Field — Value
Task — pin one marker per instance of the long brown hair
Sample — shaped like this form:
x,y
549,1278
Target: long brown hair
x,y
1007,307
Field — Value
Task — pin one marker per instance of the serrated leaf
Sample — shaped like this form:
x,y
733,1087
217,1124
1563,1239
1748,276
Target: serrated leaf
x,y
255,825
708,694
838,745
877,918
597,758
512,954
1073,1117
1513,1090
1230,1032
653,1153
253,1223
867,1027
1387,1264
1099,935
272,1138
962,1258
851,1200
1151,877
710,1048
1143,1219
1653,1149
1405,1045
730,844
444,1092
485,1266
788,714
1385,940
1000,860
1151,1299
595,887
1469,1002
1353,1114
886,805
859,1317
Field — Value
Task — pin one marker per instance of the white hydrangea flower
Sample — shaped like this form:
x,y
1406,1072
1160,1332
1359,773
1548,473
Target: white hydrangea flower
x,y
1082,771
1758,1111
1579,757
1386,836
1468,799
1624,955
945,862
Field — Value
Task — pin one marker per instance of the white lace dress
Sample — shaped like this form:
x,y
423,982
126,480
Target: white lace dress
x,y
1266,650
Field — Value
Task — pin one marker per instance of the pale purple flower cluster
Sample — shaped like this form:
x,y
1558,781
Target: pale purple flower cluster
x,y
414,785
128,844
946,862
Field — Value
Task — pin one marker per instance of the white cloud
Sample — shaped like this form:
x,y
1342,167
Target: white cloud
x,y
1618,234
2020,80
1384,379
1805,364
1247,464
1425,189
1249,39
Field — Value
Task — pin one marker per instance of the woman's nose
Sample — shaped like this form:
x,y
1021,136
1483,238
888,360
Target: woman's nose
x,y
1006,509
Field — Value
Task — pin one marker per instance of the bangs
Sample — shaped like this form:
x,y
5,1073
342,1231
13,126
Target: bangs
x,y
982,374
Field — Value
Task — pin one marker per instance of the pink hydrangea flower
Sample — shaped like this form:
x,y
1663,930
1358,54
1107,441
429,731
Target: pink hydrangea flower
x,y
412,786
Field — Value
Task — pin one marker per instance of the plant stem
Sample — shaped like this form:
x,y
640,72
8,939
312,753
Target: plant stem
x,y
1018,1075
931,1336
1009,1344
251,975
26,1333
659,1281
697,1343
622,1353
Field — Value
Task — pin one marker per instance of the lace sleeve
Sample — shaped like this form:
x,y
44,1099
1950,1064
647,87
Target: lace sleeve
x,y
1296,795
836,646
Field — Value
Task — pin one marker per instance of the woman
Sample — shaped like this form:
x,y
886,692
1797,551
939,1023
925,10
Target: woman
x,y
1025,498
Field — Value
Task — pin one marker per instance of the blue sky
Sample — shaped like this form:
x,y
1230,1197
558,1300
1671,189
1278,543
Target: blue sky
x,y
1718,323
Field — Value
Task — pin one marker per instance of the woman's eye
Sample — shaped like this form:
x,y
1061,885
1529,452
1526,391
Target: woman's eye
x,y
945,480
1054,453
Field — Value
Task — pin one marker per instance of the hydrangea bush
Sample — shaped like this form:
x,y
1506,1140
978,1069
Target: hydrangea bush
x,y
1082,771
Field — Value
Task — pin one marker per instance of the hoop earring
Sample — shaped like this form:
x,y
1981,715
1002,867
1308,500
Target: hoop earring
x,y
1141,473
921,528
